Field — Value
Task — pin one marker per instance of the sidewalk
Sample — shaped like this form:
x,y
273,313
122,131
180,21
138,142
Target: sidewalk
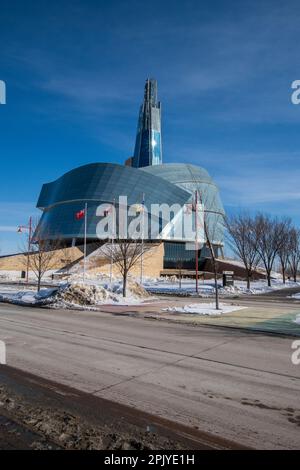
x,y
269,318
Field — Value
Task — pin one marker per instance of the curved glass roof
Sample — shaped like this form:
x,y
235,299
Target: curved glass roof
x,y
97,183
179,172
194,178
106,182
190,178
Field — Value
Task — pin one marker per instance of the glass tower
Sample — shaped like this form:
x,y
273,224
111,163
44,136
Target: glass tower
x,y
148,149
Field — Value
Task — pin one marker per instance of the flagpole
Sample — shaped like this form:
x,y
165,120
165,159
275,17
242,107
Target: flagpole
x,y
84,250
142,229
29,228
112,242
196,240
29,246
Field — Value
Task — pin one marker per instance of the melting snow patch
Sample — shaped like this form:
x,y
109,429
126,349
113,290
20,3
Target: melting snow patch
x,y
27,297
204,309
207,289
258,287
78,295
294,296
297,320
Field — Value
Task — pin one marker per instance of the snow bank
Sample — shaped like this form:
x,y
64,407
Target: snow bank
x,y
259,287
28,297
294,296
77,295
204,309
170,285
297,320
206,288
15,276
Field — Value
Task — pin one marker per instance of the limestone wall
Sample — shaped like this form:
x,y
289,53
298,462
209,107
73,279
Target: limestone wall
x,y
61,257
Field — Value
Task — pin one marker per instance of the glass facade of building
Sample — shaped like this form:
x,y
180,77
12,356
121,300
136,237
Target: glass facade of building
x,y
148,145
193,178
178,257
143,179
96,184
99,183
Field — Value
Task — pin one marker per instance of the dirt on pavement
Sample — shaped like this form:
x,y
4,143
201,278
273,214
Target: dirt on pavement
x,y
40,414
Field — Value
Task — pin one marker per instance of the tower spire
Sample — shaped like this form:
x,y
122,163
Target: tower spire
x,y
148,146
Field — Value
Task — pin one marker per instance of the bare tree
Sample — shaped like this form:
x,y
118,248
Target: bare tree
x,y
213,260
179,266
242,238
212,223
67,258
294,255
270,238
285,249
125,254
42,256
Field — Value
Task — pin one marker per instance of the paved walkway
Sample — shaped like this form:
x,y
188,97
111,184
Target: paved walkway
x,y
263,312
223,381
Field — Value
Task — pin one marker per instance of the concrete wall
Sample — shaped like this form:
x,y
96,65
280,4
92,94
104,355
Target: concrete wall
x,y
152,263
61,257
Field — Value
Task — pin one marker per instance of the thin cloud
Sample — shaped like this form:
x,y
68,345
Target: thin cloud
x,y
8,228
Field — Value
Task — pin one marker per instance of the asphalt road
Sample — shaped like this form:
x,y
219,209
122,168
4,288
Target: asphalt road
x,y
37,413
233,384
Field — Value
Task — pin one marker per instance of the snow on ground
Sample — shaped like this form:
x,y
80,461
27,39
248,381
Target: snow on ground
x,y
294,296
206,288
171,285
26,296
97,289
15,276
77,294
204,309
260,287
297,320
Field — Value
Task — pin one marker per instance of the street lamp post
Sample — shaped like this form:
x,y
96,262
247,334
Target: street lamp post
x,y
20,230
196,240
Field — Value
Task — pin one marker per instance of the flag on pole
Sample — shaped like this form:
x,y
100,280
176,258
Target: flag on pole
x,y
83,213
139,207
108,211
80,214
142,209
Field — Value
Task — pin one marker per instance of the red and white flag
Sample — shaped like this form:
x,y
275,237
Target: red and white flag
x,y
80,214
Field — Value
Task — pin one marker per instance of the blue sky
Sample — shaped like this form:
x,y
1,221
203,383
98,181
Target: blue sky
x,y
75,72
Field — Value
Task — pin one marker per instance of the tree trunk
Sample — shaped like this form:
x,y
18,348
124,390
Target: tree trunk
x,y
283,274
39,283
269,279
248,281
217,292
214,264
216,282
124,283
